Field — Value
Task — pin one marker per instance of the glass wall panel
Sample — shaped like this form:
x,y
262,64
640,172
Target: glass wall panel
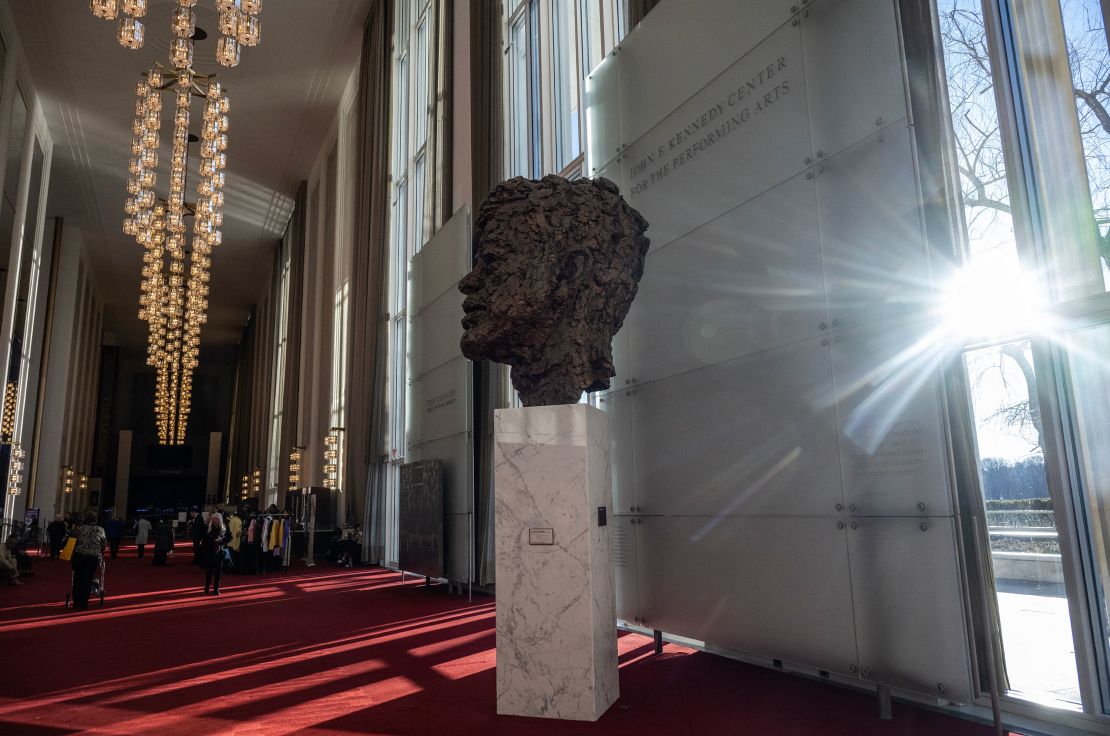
x,y
1033,610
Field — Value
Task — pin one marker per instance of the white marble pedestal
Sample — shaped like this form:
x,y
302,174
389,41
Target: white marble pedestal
x,y
556,612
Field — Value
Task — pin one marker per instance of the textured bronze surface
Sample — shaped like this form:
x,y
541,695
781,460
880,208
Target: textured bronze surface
x,y
555,271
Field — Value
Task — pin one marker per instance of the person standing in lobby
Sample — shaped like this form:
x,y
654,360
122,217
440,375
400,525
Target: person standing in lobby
x,y
56,532
142,534
114,530
9,568
197,529
163,542
213,545
87,554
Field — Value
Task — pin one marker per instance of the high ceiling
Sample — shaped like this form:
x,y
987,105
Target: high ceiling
x,y
284,95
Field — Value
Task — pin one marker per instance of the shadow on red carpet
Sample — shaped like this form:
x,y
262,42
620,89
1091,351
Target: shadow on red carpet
x,y
327,650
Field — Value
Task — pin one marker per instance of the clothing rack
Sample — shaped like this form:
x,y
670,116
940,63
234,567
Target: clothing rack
x,y
286,545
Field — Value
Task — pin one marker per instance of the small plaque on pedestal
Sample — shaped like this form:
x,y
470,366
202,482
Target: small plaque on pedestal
x,y
541,536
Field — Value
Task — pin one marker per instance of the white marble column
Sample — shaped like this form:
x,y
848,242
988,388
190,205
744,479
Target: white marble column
x,y
556,612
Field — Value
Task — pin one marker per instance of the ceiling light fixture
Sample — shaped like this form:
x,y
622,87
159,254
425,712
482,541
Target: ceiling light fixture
x,y
15,469
295,468
239,26
174,294
331,458
7,420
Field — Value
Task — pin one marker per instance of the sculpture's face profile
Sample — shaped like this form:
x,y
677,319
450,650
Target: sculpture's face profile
x,y
555,270
508,296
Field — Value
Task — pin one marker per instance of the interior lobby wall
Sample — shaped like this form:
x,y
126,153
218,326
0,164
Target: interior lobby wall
x,y
782,482
70,386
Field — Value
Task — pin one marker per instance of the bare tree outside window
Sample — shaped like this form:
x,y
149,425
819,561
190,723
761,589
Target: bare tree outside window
x,y
1085,36
977,141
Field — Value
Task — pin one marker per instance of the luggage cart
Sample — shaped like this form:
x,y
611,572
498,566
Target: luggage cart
x,y
97,584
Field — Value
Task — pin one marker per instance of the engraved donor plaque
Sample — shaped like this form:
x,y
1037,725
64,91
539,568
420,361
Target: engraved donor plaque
x,y
541,536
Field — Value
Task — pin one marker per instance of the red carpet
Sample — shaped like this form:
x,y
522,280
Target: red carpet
x,y
331,651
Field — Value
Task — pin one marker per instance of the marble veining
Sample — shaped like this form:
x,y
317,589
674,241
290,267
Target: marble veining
x,y
556,612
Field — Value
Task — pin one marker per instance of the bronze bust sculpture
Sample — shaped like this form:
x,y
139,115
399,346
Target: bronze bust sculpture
x,y
556,267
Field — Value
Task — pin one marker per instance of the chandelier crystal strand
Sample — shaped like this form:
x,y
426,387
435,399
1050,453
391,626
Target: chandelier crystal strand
x,y
131,30
183,21
134,8
148,217
227,51
106,9
131,33
250,30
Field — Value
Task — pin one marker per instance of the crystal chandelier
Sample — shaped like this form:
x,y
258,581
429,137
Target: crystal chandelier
x,y
7,420
295,468
15,469
331,459
174,287
239,26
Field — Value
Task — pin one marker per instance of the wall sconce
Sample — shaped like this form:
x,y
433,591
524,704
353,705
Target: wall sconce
x,y
245,489
82,482
15,469
256,482
295,468
68,476
331,458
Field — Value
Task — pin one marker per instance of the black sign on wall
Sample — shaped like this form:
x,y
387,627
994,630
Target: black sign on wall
x,y
421,518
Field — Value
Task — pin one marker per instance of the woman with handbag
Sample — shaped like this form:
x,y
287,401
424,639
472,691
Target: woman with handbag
x,y
213,545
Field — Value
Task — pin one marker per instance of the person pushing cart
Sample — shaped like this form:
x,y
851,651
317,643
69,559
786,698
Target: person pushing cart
x,y
88,563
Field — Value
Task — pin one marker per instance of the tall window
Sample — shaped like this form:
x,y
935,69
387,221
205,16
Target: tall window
x,y
1028,97
281,350
412,92
550,47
